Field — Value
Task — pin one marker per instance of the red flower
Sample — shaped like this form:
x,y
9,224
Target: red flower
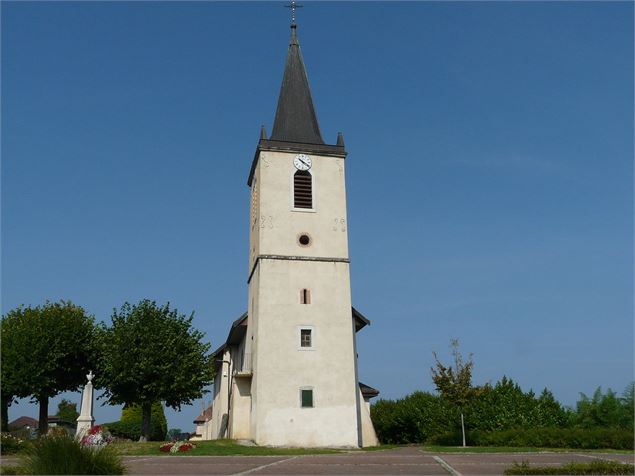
x,y
165,448
94,430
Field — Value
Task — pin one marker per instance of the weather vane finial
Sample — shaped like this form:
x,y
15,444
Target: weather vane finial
x,y
293,5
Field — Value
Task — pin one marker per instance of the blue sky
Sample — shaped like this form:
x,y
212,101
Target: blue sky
x,y
489,173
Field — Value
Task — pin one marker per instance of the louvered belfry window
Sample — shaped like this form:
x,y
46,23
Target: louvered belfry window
x,y
302,190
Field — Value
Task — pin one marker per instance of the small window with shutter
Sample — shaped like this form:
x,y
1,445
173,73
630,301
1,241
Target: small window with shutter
x,y
302,189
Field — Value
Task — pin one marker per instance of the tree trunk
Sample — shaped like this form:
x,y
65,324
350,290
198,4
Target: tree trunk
x,y
44,415
5,414
146,409
463,429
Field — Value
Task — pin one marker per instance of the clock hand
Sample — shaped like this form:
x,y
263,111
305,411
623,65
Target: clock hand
x,y
303,162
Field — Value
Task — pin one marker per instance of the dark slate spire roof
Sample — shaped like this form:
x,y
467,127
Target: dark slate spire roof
x,y
295,117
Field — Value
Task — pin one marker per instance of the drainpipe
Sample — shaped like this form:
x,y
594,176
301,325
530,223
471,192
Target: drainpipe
x,y
360,441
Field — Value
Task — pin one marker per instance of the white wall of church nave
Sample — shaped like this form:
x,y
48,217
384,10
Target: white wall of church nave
x,y
280,224
220,402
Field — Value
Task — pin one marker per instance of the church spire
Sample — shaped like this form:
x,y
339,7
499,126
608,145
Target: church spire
x,y
295,120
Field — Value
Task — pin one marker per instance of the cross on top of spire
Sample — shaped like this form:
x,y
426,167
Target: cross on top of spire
x,y
293,6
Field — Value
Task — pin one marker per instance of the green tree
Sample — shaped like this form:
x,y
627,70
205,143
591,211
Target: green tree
x,y
454,383
150,354
628,405
174,433
67,411
549,412
50,350
158,426
505,406
602,410
9,362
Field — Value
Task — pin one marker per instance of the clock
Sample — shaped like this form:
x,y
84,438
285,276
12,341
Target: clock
x,y
302,162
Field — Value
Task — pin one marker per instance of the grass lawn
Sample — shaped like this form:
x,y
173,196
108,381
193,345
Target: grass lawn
x,y
510,449
214,448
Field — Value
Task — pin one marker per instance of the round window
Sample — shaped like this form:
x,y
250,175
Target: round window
x,y
304,239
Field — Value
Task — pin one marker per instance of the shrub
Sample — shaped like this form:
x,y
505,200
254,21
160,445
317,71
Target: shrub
x,y
65,455
412,419
10,444
504,415
592,438
449,438
158,423
124,430
593,467
131,430
6,469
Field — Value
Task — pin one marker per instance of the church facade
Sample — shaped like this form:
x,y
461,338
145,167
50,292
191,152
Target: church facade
x,y
287,373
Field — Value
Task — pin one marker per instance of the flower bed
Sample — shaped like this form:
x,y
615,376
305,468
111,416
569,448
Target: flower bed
x,y
10,444
97,437
176,447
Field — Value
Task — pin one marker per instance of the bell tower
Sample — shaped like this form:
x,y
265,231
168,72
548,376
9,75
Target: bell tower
x,y
300,334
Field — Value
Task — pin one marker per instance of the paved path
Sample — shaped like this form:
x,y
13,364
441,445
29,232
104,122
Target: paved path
x,y
401,461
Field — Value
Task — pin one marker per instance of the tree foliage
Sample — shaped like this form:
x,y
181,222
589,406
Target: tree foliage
x,y
151,353
605,409
47,350
174,433
504,406
454,383
67,411
412,419
11,387
504,415
159,425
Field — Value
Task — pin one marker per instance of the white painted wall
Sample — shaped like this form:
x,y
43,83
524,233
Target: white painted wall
x,y
369,437
278,224
218,422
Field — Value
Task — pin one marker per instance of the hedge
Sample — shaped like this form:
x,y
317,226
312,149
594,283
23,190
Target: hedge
x,y
131,430
582,438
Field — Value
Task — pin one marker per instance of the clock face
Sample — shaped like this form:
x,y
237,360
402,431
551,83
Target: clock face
x,y
302,162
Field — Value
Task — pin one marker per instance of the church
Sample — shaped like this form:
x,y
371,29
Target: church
x,y
287,373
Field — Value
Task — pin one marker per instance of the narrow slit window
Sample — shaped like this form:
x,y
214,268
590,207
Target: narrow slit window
x,y
302,189
306,398
305,296
305,338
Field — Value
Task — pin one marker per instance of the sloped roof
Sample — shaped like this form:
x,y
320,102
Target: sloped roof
x,y
368,391
236,333
205,416
360,320
295,120
23,421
